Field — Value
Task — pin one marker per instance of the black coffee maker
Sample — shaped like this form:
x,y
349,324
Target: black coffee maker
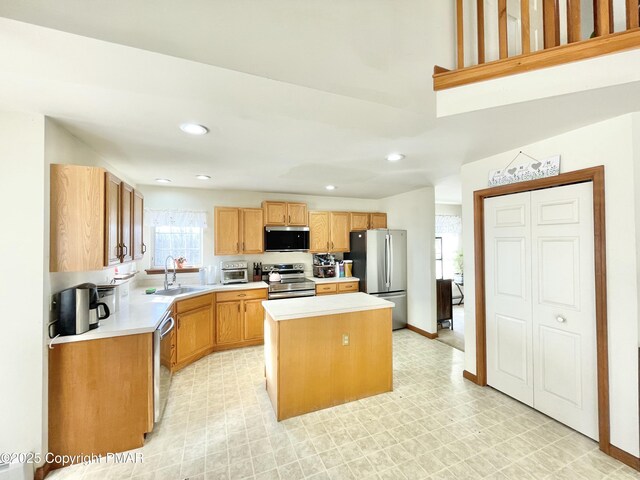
x,y
77,309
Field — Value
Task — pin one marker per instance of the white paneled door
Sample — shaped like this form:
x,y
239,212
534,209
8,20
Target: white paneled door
x,y
509,323
540,299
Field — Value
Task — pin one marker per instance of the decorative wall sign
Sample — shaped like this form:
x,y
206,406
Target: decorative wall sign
x,y
521,173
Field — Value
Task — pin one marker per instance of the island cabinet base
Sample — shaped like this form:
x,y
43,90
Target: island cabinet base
x,y
319,362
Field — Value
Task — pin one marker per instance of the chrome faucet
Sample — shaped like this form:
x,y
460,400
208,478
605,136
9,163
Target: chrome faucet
x,y
166,272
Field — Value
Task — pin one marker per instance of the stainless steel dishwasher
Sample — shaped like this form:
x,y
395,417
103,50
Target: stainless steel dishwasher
x,y
162,364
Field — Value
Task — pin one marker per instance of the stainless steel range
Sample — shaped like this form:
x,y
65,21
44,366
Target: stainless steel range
x,y
292,283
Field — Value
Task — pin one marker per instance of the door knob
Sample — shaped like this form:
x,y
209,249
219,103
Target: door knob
x,y
561,319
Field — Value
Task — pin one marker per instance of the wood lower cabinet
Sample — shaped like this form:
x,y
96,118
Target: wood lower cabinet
x,y
337,287
228,323
96,219
238,230
100,395
195,324
239,318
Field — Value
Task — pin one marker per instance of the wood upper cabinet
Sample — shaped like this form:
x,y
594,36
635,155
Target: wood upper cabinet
x,y
275,213
113,223
195,333
284,213
252,231
137,240
228,322
340,228
319,232
238,230
359,221
126,222
253,320
297,214
77,228
377,220
227,231
329,232
96,219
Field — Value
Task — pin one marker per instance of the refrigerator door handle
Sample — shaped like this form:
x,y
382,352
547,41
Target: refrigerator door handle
x,y
390,259
387,261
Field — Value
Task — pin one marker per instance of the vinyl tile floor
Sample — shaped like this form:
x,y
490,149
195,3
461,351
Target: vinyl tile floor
x,y
219,424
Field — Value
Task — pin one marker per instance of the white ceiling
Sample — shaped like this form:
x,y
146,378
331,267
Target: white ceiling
x,y
297,94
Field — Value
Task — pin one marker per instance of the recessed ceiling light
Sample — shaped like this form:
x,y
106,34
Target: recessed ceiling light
x,y
330,187
163,180
194,129
203,177
395,157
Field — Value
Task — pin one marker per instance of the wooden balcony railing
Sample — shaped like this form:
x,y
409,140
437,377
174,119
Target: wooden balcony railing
x,y
559,33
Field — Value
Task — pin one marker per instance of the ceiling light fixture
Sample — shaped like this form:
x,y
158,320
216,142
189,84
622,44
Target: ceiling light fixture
x,y
194,129
203,177
330,187
163,180
395,157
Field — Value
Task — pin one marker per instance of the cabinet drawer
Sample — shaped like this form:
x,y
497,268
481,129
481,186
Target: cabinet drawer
x,y
242,295
348,287
326,288
194,302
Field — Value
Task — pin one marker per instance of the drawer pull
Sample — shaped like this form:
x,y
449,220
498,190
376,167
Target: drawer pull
x,y
242,295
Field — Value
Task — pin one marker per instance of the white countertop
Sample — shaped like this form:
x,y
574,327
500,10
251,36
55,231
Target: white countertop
x,y
292,308
144,312
334,279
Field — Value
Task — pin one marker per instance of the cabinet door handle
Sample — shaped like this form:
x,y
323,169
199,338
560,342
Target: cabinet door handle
x,y
243,246
237,246
289,218
126,250
144,248
242,295
328,246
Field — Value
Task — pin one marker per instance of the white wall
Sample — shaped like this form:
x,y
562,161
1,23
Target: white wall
x,y
415,212
22,202
206,199
448,209
607,143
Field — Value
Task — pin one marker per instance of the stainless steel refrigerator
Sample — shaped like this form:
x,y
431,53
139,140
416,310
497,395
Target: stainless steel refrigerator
x,y
380,262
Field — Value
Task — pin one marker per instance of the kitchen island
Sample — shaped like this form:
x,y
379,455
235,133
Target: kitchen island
x,y
325,351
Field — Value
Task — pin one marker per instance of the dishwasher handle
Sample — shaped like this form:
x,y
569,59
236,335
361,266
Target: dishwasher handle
x,y
161,328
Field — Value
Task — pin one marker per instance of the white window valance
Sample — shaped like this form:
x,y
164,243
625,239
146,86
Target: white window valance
x,y
448,224
175,218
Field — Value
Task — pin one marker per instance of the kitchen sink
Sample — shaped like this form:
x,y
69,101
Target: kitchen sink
x,y
172,292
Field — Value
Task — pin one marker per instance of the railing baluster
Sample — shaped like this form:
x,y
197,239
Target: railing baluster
x,y
480,11
460,33
551,22
603,17
502,28
632,14
573,21
525,34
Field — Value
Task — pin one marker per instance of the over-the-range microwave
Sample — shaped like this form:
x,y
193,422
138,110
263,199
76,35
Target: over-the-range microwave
x,y
286,239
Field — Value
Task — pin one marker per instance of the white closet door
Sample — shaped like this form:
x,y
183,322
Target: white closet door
x,y
508,295
564,331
